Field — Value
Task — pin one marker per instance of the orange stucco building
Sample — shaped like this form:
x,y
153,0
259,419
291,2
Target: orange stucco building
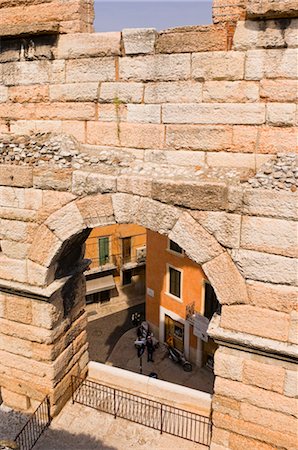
x,y
178,294
118,256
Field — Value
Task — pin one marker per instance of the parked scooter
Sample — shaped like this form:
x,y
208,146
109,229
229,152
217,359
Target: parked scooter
x,y
178,357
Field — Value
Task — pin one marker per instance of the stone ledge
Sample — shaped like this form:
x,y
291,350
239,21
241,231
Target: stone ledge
x,y
30,291
271,9
29,29
255,344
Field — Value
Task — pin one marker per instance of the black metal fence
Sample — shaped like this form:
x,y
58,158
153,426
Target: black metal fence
x,y
36,425
161,417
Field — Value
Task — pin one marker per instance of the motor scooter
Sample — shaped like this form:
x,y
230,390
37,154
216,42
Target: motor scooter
x,y
178,357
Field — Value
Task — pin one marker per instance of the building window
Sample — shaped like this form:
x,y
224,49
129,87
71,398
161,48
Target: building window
x,y
104,250
175,282
175,247
126,249
211,304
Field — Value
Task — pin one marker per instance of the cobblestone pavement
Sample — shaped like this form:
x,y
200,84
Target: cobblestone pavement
x,y
80,428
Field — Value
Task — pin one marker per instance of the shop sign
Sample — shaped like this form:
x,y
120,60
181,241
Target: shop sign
x,y
200,327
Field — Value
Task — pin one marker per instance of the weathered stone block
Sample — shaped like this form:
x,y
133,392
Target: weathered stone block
x,y
121,92
43,241
15,250
156,216
218,66
14,400
144,113
18,309
192,39
266,267
66,222
269,235
293,332
44,178
3,94
172,157
291,385
214,113
261,202
18,176
272,296
225,227
88,70
271,8
24,73
266,376
13,230
234,317
96,210
230,91
228,10
125,207
231,159
279,90
141,135
28,94
139,40
277,140
271,64
58,71
228,366
77,92
84,182
228,284
112,113
137,185
82,45
175,92
198,137
281,114
157,67
198,244
199,195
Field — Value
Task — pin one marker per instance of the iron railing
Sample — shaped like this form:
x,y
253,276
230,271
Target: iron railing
x,y
150,413
36,425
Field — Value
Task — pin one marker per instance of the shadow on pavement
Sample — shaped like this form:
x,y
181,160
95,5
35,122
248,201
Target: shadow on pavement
x,y
62,440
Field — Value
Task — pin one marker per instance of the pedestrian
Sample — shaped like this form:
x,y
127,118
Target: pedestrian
x,y
150,349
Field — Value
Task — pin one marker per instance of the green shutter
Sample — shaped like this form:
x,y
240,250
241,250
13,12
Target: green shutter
x,y
104,251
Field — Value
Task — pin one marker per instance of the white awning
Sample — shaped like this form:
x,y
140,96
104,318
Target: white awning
x,y
100,284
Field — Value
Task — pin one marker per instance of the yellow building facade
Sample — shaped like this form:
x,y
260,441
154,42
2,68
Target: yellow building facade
x,y
179,299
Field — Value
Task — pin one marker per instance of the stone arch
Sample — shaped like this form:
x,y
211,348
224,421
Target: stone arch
x,y
64,228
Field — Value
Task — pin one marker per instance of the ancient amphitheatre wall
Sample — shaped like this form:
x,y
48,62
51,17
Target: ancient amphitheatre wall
x,y
185,101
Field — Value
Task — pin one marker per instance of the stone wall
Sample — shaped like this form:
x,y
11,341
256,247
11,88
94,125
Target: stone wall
x,y
169,130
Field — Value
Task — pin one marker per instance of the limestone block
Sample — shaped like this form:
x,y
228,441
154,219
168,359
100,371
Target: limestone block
x,y
175,92
228,366
261,202
228,10
154,68
18,309
141,135
218,65
293,332
291,37
112,113
77,92
226,405
20,198
246,35
57,71
88,70
139,40
214,113
137,185
66,222
225,227
198,244
44,240
227,282
255,396
102,133
14,400
96,210
18,176
31,94
279,90
82,45
291,384
269,235
230,91
3,94
231,159
46,315
199,195
272,296
192,39
281,114
58,179
24,73
235,317
15,250
121,92
271,8
125,207
277,140
84,182
266,376
156,216
22,331
199,137
220,437
13,230
39,275
271,64
144,113
266,267
172,157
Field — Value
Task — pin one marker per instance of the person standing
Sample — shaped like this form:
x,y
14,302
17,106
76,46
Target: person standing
x,y
150,349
